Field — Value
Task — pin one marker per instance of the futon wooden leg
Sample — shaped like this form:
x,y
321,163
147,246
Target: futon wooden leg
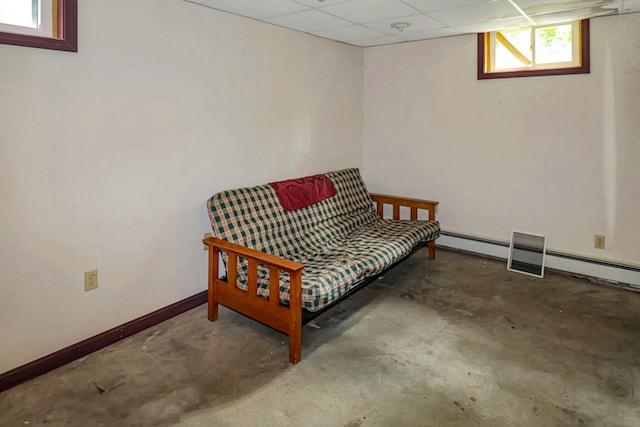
x,y
295,318
432,249
295,344
213,309
212,297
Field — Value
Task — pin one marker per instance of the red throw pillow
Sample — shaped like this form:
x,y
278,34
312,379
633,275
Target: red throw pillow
x,y
302,192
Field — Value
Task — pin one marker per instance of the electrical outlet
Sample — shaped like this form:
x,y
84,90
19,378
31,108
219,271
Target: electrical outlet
x,y
90,280
598,241
206,236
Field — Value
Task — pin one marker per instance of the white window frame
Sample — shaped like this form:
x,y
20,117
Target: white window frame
x,y
582,61
65,24
575,51
45,27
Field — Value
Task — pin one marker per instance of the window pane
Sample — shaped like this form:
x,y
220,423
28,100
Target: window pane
x,y
554,44
23,13
521,41
551,49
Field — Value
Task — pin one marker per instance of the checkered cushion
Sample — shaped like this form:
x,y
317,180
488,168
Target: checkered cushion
x,y
340,240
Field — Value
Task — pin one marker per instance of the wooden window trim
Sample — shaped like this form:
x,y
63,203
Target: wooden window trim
x,y
67,27
584,68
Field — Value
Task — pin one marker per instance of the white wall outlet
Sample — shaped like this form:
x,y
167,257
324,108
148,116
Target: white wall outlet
x,y
90,280
598,241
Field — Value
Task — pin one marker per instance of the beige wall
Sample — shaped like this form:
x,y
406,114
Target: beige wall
x,y
557,156
107,156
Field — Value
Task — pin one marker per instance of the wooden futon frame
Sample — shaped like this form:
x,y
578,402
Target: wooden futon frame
x,y
284,318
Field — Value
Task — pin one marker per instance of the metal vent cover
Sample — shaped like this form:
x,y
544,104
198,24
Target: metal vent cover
x,y
527,253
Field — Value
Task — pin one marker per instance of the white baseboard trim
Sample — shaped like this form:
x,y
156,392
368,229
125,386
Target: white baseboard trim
x,y
624,275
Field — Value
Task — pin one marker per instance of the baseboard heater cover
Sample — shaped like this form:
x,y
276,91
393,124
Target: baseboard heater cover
x,y
619,274
527,253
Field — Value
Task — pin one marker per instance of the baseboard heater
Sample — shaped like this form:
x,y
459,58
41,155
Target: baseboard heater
x,y
629,270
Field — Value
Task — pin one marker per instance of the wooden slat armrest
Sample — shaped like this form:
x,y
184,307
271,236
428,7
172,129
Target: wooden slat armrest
x,y
248,253
404,201
285,318
397,202
413,204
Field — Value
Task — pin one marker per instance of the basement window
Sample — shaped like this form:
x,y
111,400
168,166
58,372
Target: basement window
x,y
47,24
29,17
534,51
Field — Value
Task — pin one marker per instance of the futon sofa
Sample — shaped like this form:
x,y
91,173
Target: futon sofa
x,y
301,245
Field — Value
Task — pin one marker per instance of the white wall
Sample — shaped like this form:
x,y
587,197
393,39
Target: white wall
x,y
107,156
557,156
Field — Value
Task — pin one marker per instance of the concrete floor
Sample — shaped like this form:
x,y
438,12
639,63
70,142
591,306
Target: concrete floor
x,y
455,342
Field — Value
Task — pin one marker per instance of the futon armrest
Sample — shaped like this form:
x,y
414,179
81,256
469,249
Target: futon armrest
x,y
414,204
248,253
270,311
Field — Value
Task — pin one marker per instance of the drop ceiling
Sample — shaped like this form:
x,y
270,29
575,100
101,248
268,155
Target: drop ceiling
x,y
369,22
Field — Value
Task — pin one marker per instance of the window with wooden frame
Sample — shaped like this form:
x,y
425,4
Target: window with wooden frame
x,y
535,51
46,24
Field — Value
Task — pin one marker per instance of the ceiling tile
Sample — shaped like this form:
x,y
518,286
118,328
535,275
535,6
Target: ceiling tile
x,y
629,6
335,19
365,11
479,12
503,24
320,3
570,15
435,5
377,41
309,21
429,34
349,34
256,9
418,23
536,7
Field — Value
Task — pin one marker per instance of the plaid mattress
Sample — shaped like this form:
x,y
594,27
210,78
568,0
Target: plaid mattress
x,y
340,240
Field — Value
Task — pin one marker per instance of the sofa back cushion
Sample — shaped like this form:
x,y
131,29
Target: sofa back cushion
x,y
254,217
